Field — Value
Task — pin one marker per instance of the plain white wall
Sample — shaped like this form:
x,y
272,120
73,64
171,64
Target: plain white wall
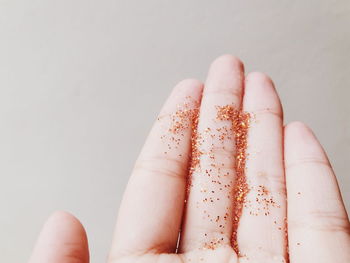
x,y
82,80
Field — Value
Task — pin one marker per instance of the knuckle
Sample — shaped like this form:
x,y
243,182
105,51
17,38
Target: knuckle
x,y
308,160
322,221
162,166
222,89
74,254
273,111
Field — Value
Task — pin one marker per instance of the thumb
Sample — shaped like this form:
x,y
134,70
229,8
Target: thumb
x,y
62,240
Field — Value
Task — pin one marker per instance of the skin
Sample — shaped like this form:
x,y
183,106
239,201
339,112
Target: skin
x,y
288,161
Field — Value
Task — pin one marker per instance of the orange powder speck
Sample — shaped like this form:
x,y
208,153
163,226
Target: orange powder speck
x,y
240,124
195,143
185,117
182,119
239,130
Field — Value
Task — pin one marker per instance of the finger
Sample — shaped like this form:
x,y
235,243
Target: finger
x,y
261,235
208,220
62,240
151,210
318,226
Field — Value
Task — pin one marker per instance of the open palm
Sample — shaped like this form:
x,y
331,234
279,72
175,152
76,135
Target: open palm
x,y
213,181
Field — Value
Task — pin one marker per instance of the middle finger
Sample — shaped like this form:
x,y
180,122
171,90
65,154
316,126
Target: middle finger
x,y
208,217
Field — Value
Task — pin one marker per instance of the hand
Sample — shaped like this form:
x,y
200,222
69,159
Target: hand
x,y
220,167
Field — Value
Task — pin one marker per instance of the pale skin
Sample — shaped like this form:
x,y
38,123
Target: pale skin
x,y
287,162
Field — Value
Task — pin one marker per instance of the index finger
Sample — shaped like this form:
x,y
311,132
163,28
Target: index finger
x,y
151,210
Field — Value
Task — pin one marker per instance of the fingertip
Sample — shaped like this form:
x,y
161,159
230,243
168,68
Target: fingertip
x,y
188,86
65,220
61,215
260,94
190,82
297,127
260,77
228,60
298,131
186,92
302,145
225,79
62,239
